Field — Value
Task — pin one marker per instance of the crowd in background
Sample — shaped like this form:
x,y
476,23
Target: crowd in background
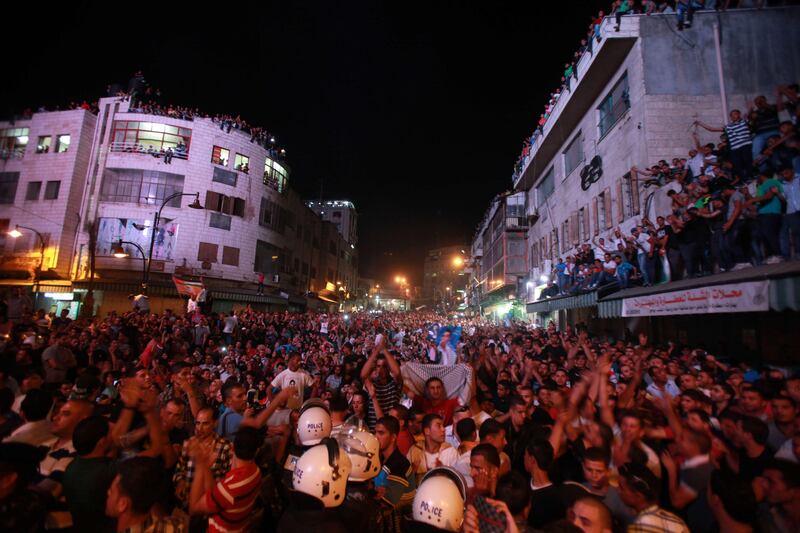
x,y
734,204
279,421
683,10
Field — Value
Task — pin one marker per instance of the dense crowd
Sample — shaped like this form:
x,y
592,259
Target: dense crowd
x,y
278,421
147,99
683,10
733,204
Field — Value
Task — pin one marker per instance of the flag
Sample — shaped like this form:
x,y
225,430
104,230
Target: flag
x,y
187,287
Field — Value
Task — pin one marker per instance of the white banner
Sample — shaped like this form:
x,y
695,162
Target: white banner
x,y
731,298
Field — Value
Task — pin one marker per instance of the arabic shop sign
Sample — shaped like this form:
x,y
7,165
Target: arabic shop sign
x,y
731,298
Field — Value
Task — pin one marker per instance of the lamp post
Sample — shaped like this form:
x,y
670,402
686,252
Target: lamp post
x,y
37,273
119,252
168,199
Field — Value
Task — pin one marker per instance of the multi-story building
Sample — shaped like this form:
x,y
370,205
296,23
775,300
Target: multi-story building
x,y
115,177
444,278
44,159
499,260
340,213
632,103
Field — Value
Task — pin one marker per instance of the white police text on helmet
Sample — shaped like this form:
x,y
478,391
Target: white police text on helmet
x,y
431,509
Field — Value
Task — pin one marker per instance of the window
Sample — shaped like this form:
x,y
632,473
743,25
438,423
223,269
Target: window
x,y
515,205
242,163
238,207
220,156
275,175
224,204
140,186
614,105
144,137
13,142
224,176
230,256
573,155
582,221
8,187
602,214
220,221
62,143
51,190
337,214
545,188
631,206
34,188
4,225
268,259
207,252
43,144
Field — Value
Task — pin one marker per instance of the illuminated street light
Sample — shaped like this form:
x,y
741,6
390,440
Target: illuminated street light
x,y
119,252
458,261
15,233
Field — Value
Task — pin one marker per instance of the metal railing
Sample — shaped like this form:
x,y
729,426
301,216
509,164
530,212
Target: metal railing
x,y
15,153
139,148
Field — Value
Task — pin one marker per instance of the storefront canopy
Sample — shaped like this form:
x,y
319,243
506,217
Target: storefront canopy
x,y
764,288
588,299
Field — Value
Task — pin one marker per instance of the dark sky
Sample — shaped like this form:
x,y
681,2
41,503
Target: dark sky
x,y
415,112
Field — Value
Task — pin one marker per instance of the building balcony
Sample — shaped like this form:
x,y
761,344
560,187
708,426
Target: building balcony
x,y
140,149
593,71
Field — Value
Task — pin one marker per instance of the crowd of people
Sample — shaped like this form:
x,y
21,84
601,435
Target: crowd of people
x,y
147,99
734,204
683,10
279,421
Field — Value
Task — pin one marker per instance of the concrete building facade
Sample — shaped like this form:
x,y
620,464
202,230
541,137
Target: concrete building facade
x,y
634,102
115,177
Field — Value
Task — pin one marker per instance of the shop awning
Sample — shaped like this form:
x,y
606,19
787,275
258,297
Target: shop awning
x,y
246,297
782,293
588,299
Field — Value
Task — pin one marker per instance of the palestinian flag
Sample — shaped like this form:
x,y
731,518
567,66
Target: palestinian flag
x,y
187,287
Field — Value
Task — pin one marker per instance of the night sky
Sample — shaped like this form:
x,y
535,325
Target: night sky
x,y
415,112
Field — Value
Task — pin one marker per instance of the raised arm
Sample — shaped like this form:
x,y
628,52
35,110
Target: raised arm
x,y
708,128
394,367
366,370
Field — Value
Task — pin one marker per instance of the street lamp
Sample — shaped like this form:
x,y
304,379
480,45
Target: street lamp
x,y
194,205
16,234
458,261
119,252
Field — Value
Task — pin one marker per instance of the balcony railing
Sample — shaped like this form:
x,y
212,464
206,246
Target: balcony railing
x,y
16,153
138,148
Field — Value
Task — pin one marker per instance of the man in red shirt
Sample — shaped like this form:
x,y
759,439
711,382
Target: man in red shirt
x,y
229,502
435,401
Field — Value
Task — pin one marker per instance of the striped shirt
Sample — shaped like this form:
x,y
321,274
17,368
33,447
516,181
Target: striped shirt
x,y
388,396
654,519
232,499
738,134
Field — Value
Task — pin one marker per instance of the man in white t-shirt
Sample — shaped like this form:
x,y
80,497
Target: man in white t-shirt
x,y
292,376
647,263
433,451
229,327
